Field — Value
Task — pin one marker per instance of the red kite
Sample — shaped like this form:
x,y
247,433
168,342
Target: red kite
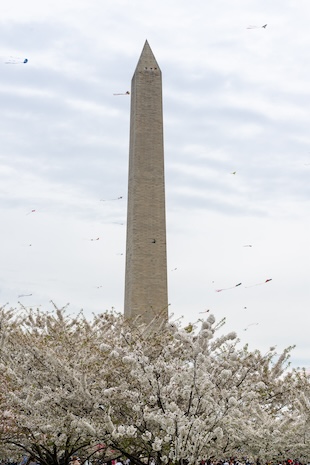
x,y
259,284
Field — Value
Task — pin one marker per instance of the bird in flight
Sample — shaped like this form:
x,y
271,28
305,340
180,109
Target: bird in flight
x,y
227,288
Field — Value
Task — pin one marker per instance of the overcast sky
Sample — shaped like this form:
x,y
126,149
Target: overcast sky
x,y
236,100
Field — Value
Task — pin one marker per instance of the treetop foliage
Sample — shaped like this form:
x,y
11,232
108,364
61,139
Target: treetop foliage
x,y
161,392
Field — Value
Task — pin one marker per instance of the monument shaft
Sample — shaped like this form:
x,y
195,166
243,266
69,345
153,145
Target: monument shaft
x,y
146,294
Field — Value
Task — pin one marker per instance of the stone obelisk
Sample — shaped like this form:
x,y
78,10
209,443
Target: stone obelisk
x,y
146,295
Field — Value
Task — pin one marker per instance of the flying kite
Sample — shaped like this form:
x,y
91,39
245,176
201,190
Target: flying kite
x,y
252,324
97,239
257,27
205,311
31,211
227,288
24,295
109,200
126,93
248,245
259,284
16,61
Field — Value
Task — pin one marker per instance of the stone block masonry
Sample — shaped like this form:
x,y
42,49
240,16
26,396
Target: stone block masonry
x,y
146,295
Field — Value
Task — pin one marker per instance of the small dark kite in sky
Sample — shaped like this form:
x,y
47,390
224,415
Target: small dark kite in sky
x,y
16,61
109,200
126,93
227,288
259,284
251,324
257,27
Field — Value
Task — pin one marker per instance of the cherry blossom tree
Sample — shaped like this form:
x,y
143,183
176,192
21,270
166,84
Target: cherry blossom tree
x,y
161,392
296,418
44,358
193,396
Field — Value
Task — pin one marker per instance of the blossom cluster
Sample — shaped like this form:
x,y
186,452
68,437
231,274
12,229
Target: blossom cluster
x,y
161,392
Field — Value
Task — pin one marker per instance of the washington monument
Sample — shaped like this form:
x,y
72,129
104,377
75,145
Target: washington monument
x,y
146,295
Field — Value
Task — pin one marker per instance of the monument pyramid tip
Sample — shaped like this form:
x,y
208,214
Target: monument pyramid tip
x,y
147,46
147,58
